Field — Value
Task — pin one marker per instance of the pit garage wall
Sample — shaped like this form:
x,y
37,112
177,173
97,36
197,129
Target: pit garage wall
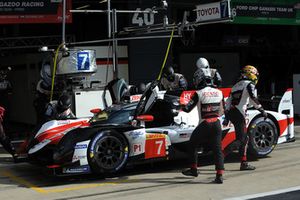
x,y
296,93
228,65
146,58
26,73
24,76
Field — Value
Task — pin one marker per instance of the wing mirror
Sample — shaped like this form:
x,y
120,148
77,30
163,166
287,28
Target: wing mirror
x,y
141,119
95,110
145,118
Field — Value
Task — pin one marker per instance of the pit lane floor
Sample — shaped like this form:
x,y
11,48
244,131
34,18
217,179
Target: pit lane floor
x,y
276,174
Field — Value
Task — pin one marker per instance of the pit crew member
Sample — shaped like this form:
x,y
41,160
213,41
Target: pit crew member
x,y
203,64
243,93
4,140
172,81
60,109
209,102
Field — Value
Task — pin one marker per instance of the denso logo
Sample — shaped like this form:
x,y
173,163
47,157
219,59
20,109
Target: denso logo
x,y
210,94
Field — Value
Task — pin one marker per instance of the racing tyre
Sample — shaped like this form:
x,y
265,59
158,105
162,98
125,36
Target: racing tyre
x,y
108,152
263,136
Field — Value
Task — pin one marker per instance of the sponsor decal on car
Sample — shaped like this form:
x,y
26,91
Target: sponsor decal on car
x,y
150,136
81,169
136,134
80,146
63,122
135,98
137,148
186,97
183,135
76,158
155,146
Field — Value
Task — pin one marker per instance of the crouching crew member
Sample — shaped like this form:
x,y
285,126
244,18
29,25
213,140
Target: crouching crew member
x,y
60,110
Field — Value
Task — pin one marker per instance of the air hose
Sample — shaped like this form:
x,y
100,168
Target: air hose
x,y
54,69
166,56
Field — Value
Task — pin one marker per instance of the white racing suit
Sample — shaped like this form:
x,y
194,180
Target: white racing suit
x,y
209,102
242,94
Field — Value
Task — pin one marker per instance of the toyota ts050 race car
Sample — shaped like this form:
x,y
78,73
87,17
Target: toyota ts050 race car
x,y
148,130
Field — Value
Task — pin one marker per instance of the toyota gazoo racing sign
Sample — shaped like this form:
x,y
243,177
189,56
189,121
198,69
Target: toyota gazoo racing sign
x,y
33,11
213,11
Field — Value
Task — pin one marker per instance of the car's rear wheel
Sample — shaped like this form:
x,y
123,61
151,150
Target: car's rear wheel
x,y
108,152
263,136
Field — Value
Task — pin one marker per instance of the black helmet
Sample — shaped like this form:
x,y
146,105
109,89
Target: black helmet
x,y
64,103
202,79
169,73
141,88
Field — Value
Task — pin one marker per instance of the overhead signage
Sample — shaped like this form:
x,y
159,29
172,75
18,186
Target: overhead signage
x,y
212,11
37,11
149,18
266,12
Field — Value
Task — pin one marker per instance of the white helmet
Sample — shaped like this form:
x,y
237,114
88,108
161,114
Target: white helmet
x,y
202,63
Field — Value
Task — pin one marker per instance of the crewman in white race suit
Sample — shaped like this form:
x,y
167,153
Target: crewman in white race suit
x,y
209,102
203,64
243,93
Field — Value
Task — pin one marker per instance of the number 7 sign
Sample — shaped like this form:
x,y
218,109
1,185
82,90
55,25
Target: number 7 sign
x,y
155,146
83,61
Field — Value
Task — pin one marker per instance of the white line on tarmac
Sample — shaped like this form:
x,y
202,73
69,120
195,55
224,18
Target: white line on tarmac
x,y
251,196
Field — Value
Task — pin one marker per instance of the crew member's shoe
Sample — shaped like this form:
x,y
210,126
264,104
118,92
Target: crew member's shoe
x,y
19,158
246,166
219,179
190,172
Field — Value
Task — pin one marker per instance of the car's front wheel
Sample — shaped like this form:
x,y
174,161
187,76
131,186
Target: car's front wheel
x,y
108,152
263,136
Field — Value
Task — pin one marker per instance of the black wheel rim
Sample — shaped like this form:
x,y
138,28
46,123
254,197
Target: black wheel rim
x,y
264,136
109,152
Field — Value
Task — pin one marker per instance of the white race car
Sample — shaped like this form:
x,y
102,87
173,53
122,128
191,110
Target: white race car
x,y
147,130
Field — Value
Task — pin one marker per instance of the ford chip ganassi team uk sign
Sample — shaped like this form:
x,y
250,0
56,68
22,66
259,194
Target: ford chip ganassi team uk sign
x,y
213,11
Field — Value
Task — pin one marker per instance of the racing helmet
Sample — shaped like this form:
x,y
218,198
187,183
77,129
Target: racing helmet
x,y
169,73
202,63
64,103
202,79
251,73
141,88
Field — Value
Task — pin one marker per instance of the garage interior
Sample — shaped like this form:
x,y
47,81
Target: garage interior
x,y
274,49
